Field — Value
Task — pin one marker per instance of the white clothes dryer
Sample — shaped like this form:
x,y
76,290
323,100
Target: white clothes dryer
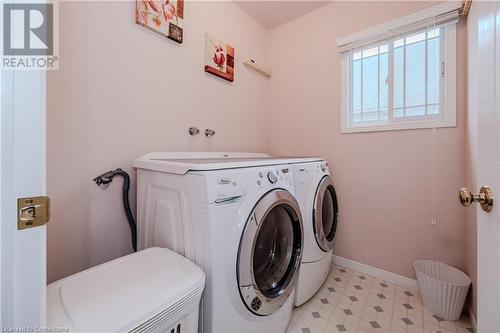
x,y
317,199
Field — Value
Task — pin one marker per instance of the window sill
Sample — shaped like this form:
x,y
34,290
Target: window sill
x,y
398,126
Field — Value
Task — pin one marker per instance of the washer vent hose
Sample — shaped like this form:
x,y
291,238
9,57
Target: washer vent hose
x,y
103,182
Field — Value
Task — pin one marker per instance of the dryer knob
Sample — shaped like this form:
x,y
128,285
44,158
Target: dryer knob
x,y
272,177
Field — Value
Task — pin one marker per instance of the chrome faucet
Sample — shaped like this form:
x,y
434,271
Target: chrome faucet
x,y
209,132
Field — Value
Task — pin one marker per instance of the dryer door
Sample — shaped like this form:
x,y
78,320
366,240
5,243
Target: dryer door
x,y
270,253
325,214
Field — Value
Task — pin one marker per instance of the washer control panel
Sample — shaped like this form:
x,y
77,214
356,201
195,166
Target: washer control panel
x,y
231,186
275,176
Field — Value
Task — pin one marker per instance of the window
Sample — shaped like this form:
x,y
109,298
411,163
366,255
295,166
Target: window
x,y
402,81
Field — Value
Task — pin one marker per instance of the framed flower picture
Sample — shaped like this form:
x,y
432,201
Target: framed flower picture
x,y
219,58
161,16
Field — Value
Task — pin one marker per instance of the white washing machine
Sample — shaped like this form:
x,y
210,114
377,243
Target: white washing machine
x,y
235,215
317,199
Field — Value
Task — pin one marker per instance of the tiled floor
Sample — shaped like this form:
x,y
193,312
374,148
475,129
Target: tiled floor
x,y
353,302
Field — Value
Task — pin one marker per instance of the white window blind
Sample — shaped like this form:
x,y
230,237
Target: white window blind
x,y
401,81
432,17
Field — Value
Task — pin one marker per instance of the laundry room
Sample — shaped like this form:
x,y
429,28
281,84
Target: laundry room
x,y
252,166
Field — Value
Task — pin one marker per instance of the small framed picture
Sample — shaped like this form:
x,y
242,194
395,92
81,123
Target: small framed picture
x,y
161,16
219,58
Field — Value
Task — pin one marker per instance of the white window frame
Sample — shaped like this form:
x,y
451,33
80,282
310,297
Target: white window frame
x,y
448,110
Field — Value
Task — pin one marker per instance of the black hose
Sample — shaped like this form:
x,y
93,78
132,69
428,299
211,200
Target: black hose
x,y
103,181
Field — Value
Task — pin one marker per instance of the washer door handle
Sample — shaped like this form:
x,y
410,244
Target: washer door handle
x,y
228,199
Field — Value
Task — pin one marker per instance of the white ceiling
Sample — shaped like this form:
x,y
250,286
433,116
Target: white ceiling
x,y
274,13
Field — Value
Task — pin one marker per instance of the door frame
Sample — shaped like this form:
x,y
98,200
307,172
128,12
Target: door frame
x,y
22,174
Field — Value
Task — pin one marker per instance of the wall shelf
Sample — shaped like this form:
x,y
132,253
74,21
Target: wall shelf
x,y
250,63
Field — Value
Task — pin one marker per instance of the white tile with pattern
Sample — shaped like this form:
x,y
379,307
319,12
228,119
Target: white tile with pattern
x,y
350,301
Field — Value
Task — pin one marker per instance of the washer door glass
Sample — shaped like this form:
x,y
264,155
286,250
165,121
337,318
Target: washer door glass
x,y
329,213
325,214
273,252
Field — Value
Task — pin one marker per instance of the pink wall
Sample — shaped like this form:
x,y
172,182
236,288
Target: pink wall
x,y
384,179
123,91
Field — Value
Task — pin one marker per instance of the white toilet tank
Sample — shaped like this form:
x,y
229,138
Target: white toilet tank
x,y
154,290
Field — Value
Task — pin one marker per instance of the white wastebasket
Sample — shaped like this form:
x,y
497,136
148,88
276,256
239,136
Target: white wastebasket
x,y
443,288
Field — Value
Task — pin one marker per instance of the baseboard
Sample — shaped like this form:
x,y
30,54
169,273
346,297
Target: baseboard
x,y
376,272
472,318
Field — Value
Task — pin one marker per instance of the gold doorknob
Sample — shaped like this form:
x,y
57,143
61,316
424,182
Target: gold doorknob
x,y
484,198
